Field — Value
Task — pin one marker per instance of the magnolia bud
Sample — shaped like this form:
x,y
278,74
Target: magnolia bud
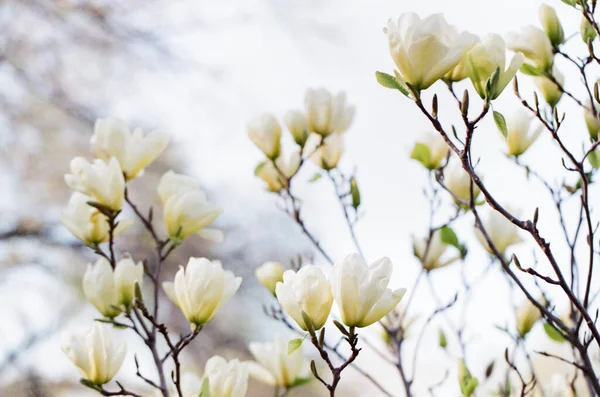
x,y
587,30
298,126
520,132
269,274
127,274
328,154
591,121
533,43
458,181
551,25
551,92
527,315
327,114
265,132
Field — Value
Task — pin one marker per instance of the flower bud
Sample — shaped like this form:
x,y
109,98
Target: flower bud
x,y
200,289
328,154
551,25
327,114
587,30
99,288
265,132
127,273
466,381
298,126
275,366
502,232
269,274
551,92
226,379
98,354
362,292
527,315
87,223
592,122
430,150
134,151
534,44
276,175
520,132
458,182
308,292
103,182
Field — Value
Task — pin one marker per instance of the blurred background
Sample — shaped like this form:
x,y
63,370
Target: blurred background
x,y
199,70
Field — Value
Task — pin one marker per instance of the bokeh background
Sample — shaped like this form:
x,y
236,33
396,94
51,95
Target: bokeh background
x,y
199,70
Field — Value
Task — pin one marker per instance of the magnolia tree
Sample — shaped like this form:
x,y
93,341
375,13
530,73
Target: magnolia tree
x,y
429,55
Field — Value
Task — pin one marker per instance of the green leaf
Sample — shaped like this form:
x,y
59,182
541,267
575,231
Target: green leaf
x,y
355,192
467,382
259,167
500,123
443,340
448,236
492,83
389,81
531,70
315,177
553,333
571,3
469,388
422,154
594,159
90,384
205,390
295,344
300,382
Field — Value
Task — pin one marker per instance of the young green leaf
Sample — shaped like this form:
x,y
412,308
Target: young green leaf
x,y
443,340
531,70
355,192
295,344
448,236
389,81
553,333
422,154
315,177
500,123
205,390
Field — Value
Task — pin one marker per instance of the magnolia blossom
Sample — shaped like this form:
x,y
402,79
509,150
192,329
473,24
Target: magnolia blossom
x,y
307,291
424,50
327,155
201,289
551,25
226,379
527,315
458,182
362,292
501,231
277,174
275,366
87,223
430,150
431,255
269,274
520,132
534,44
134,151
296,122
327,114
98,353
551,92
108,290
186,208
265,132
103,182
461,70
592,122
485,58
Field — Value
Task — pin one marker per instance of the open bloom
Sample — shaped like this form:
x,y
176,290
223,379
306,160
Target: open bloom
x,y
265,132
458,182
269,274
521,132
307,291
327,114
276,175
103,182
424,50
275,366
328,154
551,92
201,289
98,354
461,70
186,208
362,292
87,223
226,379
430,150
484,59
527,315
296,122
106,289
534,44
432,255
134,151
501,231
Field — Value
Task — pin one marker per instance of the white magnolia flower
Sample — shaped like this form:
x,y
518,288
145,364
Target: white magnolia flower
x,y
502,232
551,25
191,386
276,175
275,366
559,386
87,223
186,208
485,58
434,257
108,290
134,151
533,43
551,92
296,122
265,132
328,154
522,131
98,354
458,181
424,50
527,315
103,182
362,292
269,274
307,291
327,114
201,289
461,70
226,379
430,150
